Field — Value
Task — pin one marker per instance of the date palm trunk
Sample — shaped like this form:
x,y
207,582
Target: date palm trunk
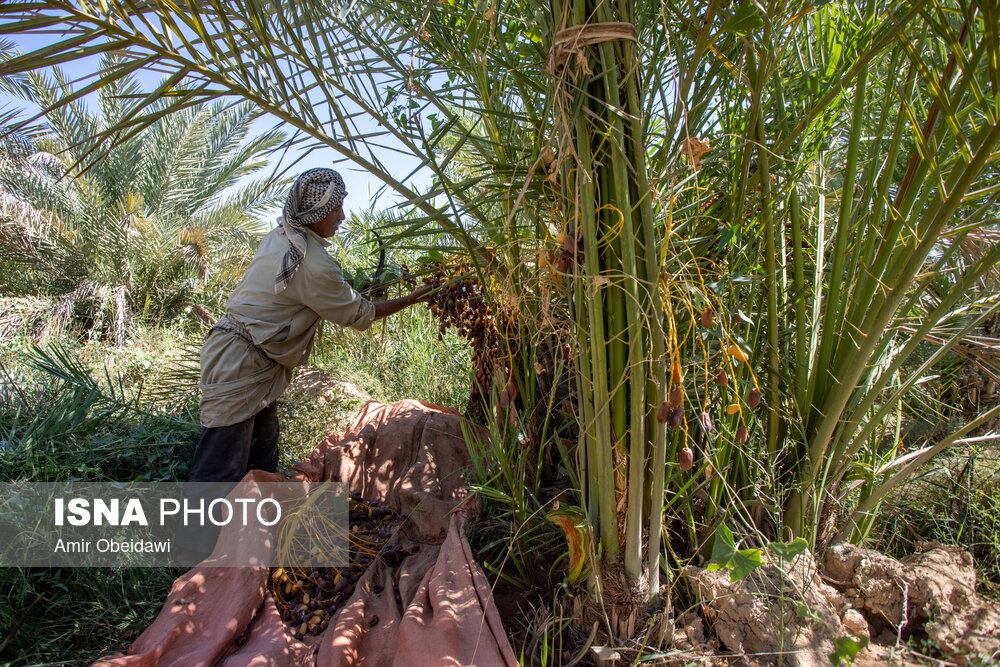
x,y
608,230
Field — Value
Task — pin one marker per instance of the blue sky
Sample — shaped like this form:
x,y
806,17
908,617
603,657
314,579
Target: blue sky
x,y
361,186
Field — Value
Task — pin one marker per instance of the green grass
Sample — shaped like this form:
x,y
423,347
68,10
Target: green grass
x,y
79,423
306,423
73,616
403,356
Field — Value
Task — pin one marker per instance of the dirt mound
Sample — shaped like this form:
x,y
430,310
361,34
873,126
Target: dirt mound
x,y
932,593
794,612
775,611
312,383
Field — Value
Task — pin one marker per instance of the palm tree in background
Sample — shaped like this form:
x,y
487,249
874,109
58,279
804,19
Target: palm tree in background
x,y
143,231
16,146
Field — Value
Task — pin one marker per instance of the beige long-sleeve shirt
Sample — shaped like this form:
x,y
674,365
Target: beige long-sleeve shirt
x,y
238,379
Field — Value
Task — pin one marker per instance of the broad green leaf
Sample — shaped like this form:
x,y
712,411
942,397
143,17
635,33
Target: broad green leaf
x,y
739,562
744,562
723,548
744,20
846,649
789,550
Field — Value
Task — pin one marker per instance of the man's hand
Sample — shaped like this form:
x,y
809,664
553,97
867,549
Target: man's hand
x,y
420,294
390,306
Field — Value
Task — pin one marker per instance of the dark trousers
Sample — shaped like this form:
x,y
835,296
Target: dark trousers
x,y
227,453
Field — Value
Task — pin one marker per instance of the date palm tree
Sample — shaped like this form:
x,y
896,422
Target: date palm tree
x,y
16,146
144,230
727,218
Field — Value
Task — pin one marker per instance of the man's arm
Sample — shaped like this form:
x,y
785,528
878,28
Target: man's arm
x,y
390,306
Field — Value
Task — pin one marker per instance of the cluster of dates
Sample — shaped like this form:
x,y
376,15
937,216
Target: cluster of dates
x,y
308,600
462,305
671,411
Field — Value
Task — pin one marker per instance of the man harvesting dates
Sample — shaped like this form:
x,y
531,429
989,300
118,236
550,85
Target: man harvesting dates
x,y
291,286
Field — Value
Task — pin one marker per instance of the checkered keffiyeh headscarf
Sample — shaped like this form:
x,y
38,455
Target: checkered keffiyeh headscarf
x,y
313,195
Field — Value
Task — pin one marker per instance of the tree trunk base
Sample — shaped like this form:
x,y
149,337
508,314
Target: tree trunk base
x,y
624,613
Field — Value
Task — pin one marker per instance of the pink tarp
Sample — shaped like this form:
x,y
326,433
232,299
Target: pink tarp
x,y
411,456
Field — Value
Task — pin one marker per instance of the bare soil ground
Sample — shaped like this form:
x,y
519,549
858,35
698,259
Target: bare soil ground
x,y
795,612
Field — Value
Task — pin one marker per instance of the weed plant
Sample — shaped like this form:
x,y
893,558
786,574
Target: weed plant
x,y
72,616
404,356
60,420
